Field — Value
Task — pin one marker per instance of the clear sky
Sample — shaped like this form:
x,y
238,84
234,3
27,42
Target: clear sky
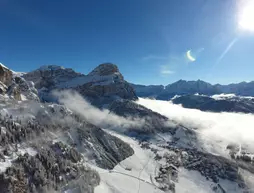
x,y
147,39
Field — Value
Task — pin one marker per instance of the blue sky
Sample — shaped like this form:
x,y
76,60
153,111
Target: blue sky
x,y
147,39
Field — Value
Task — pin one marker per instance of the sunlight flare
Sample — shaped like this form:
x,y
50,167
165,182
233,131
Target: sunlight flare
x,y
246,16
230,45
190,57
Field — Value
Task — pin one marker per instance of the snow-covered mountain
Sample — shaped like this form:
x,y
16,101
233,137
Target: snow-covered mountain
x,y
63,131
217,103
104,83
183,87
242,88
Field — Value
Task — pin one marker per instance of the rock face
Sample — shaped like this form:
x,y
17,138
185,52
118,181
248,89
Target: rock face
x,y
106,69
14,91
3,88
114,85
7,85
5,75
103,84
108,150
15,86
50,76
26,88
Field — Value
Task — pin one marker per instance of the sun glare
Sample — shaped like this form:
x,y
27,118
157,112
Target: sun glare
x,y
246,17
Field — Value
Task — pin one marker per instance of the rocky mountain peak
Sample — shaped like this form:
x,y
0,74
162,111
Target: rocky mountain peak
x,y
49,76
51,67
104,82
104,70
107,83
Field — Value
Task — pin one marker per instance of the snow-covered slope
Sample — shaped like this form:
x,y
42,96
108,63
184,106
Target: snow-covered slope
x,y
134,174
219,144
138,174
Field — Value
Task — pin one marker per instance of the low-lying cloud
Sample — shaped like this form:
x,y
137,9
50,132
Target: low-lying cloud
x,y
217,127
229,96
102,118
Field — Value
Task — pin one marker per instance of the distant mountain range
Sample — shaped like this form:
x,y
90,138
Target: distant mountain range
x,y
216,103
183,87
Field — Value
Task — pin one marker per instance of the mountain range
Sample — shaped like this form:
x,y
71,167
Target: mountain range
x,y
63,131
183,87
217,103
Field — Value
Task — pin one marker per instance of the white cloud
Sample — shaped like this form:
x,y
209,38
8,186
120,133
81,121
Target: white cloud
x,y
230,45
167,72
102,118
215,130
154,57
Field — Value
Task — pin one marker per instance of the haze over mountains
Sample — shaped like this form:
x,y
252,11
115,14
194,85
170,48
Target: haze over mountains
x,y
63,131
